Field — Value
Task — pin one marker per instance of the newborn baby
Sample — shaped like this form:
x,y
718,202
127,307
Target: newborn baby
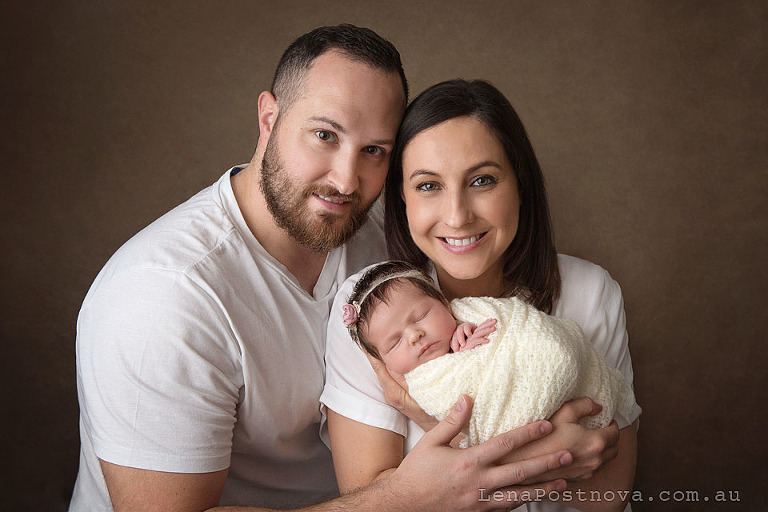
x,y
517,363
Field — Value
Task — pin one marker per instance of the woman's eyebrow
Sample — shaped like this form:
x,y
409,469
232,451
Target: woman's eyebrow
x,y
422,172
487,163
425,172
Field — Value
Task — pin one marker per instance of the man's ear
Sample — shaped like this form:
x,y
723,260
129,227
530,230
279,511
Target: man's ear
x,y
268,111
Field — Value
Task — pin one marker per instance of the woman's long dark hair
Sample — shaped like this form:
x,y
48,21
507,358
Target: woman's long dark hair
x,y
530,261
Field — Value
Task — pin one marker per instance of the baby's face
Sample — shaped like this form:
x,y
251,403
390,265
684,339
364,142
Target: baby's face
x,y
411,329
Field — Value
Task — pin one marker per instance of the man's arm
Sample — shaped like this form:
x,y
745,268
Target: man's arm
x,y
435,476
132,489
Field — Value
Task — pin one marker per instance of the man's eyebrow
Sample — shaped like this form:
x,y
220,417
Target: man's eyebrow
x,y
383,142
339,128
322,119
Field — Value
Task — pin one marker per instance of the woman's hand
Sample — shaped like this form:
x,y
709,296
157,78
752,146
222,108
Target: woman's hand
x,y
591,449
396,395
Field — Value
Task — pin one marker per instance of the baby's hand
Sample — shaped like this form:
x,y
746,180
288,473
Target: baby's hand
x,y
468,336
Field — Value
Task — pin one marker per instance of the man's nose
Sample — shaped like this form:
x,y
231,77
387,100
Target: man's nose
x,y
344,173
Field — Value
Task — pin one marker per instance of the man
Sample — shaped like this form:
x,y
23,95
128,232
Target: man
x,y
200,344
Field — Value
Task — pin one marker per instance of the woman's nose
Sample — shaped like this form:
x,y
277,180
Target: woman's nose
x,y
458,211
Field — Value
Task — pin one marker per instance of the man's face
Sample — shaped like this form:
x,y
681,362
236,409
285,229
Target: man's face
x,y
327,156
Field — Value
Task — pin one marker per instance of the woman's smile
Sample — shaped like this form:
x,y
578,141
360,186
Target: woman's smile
x,y
462,245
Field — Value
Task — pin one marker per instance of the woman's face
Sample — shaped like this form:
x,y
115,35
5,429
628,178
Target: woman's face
x,y
462,203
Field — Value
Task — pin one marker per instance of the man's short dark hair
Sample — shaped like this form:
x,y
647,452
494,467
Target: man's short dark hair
x,y
358,43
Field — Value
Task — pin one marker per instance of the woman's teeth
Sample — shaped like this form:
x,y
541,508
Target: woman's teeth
x,y
460,242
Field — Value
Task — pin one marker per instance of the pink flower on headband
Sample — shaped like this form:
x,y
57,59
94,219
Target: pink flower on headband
x,y
350,314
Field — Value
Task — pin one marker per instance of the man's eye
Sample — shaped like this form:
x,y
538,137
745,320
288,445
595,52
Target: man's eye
x,y
325,136
374,150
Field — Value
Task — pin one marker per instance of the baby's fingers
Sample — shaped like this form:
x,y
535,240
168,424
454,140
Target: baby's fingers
x,y
486,328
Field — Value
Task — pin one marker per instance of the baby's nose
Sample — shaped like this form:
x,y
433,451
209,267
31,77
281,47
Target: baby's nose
x,y
415,335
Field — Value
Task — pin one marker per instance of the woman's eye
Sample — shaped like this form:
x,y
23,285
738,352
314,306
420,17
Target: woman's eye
x,y
483,181
427,187
325,135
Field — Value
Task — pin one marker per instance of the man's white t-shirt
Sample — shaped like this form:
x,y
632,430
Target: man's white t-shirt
x,y
198,351
589,296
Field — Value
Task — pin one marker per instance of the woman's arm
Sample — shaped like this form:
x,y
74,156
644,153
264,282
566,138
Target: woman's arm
x,y
602,492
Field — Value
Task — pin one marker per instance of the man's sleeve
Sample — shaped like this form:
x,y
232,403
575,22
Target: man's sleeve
x,y
159,373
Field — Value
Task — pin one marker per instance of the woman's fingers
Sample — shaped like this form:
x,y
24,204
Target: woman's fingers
x,y
492,450
573,411
399,378
517,472
394,393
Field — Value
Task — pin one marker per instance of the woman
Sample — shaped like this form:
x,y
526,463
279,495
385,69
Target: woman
x,y
465,200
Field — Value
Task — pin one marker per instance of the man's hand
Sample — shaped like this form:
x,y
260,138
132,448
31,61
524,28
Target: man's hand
x,y
435,476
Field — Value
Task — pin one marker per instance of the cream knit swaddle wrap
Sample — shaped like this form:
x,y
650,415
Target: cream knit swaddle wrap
x,y
532,364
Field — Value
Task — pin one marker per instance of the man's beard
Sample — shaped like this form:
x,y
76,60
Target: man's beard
x,y
287,202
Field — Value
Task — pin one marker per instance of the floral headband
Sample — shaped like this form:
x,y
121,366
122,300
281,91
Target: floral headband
x,y
351,310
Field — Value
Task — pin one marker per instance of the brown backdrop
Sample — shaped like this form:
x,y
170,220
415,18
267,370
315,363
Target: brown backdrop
x,y
649,117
